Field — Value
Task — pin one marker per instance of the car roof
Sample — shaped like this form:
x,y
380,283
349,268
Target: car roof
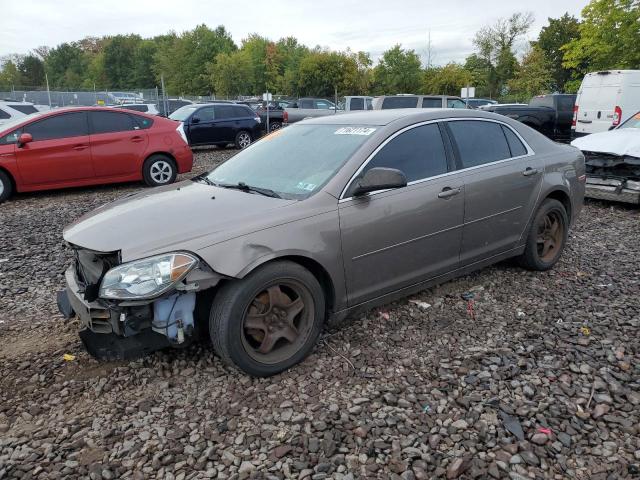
x,y
385,117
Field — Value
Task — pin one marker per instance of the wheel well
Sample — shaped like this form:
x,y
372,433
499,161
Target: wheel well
x,y
166,154
11,179
321,275
563,198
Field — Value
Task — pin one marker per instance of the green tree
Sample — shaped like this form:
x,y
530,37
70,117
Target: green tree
x,y
482,73
533,76
609,38
143,75
66,65
552,38
321,73
120,60
231,74
32,71
9,74
398,71
447,80
291,54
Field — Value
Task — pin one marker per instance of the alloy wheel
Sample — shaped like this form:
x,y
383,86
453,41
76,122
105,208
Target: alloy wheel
x,y
161,171
550,236
244,140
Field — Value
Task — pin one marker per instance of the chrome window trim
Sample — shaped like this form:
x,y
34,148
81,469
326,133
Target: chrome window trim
x,y
529,153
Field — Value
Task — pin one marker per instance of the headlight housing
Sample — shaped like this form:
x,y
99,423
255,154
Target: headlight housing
x,y
146,278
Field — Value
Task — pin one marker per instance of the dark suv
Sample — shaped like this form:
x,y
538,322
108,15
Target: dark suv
x,y
219,124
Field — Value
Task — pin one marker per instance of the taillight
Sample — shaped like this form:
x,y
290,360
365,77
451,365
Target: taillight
x,y
575,116
257,117
285,117
617,116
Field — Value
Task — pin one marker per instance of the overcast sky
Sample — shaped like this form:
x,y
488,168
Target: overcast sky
x,y
372,26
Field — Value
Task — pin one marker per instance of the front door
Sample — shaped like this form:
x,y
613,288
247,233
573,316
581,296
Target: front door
x,y
396,238
502,181
60,150
226,122
202,129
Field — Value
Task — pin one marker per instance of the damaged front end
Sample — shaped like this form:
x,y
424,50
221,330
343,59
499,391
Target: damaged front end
x,y
613,177
127,310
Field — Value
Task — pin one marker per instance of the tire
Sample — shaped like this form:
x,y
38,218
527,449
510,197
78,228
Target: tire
x,y
159,170
273,126
6,186
244,313
544,243
243,140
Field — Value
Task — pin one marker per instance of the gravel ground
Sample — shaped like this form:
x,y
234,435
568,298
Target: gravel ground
x,y
540,379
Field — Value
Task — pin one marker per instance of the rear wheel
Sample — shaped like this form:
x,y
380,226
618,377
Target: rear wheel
x,y
6,186
273,126
268,321
243,140
159,170
547,236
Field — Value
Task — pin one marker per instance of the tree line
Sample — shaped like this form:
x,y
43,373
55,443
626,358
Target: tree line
x,y
206,61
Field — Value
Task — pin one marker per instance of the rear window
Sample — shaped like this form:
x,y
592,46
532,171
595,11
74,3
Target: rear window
x,y
137,108
26,109
4,115
479,142
542,101
399,102
566,103
357,104
431,103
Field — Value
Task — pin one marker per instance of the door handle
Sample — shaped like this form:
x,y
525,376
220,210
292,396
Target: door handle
x,y
529,171
136,139
448,192
80,147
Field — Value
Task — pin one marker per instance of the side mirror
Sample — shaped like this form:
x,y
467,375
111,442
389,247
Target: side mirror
x,y
379,178
24,138
195,120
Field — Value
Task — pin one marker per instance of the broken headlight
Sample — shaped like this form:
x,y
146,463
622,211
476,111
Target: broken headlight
x,y
146,278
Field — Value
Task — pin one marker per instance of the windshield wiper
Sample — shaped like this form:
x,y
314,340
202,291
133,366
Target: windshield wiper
x,y
204,177
248,188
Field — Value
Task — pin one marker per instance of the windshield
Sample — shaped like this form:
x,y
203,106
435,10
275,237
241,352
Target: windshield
x,y
633,122
183,113
293,162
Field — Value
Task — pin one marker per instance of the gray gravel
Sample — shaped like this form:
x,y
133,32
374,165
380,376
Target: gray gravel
x,y
542,382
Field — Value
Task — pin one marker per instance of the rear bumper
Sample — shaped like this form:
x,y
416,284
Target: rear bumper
x,y
575,134
184,158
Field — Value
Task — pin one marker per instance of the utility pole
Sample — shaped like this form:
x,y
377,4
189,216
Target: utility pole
x,y
429,49
46,77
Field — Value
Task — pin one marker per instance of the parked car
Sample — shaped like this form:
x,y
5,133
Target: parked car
x,y
72,147
479,102
605,100
276,113
417,101
328,217
150,108
613,162
310,108
173,105
550,114
218,124
10,110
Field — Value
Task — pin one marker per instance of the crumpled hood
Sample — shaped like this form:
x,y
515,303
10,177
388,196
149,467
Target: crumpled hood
x,y
183,216
623,142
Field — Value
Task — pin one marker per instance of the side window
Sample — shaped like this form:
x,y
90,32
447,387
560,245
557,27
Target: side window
x,y
10,138
399,102
110,122
143,122
136,108
419,153
323,105
26,109
206,114
4,115
369,104
241,112
479,142
65,125
306,103
357,104
431,103
455,103
515,145
224,112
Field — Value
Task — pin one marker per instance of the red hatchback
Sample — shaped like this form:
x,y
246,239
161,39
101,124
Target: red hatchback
x,y
73,147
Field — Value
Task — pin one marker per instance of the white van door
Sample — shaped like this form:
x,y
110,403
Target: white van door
x,y
596,102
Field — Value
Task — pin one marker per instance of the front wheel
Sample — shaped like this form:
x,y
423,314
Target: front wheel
x,y
243,140
6,187
268,321
547,236
159,170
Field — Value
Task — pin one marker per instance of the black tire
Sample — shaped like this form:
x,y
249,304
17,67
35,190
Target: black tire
x,y
544,248
6,186
273,126
159,170
242,138
235,343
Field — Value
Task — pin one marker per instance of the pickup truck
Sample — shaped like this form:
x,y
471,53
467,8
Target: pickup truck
x,y
277,116
309,108
550,114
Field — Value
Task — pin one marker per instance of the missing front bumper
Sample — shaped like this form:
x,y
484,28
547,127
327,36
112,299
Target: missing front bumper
x,y
618,190
109,346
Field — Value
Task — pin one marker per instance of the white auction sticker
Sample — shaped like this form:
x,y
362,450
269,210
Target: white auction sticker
x,y
354,131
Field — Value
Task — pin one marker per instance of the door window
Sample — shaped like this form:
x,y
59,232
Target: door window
x,y
26,109
455,103
240,112
306,103
515,145
431,102
479,142
109,122
357,104
323,105
224,112
65,125
207,114
418,153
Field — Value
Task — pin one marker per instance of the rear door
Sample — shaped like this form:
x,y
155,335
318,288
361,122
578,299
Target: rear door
x,y
118,144
598,97
226,122
396,238
60,150
202,127
502,179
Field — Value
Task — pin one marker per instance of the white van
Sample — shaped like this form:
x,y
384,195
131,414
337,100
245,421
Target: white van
x,y
10,110
605,100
